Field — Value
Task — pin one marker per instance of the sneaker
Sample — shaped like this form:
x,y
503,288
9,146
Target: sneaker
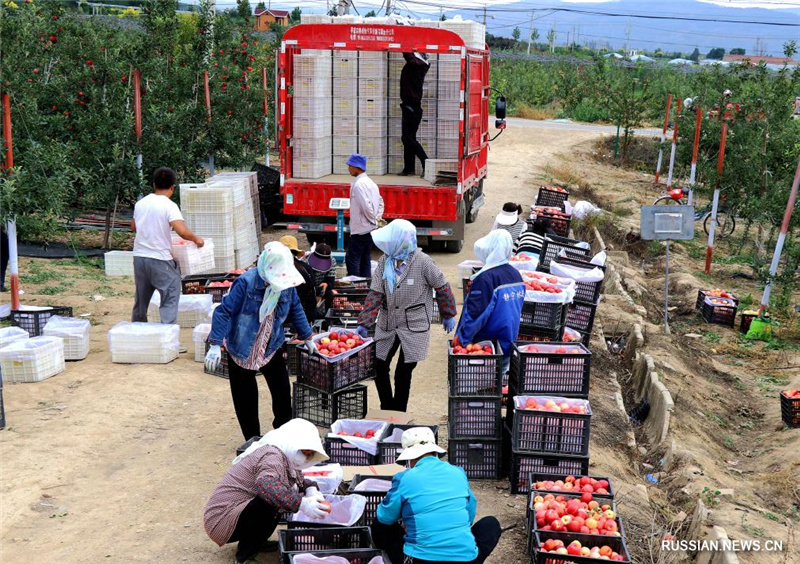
x,y
269,546
181,349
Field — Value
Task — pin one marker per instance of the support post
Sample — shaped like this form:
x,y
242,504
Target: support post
x,y
693,173
663,138
11,225
674,148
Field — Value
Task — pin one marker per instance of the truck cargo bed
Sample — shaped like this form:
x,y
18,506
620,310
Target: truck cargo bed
x,y
386,179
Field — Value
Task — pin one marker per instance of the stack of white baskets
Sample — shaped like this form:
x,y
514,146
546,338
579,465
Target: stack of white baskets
x,y
192,260
345,108
245,227
119,263
312,115
193,309
9,335
143,343
32,360
74,332
372,110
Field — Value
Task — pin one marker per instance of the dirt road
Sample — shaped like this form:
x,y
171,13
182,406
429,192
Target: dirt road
x,y
115,463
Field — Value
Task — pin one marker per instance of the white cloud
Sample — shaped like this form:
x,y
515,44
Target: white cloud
x,y
767,4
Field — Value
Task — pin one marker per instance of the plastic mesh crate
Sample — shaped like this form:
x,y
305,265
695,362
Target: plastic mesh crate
x,y
331,376
540,315
448,128
535,430
315,108
32,360
560,369
617,544
222,368
790,410
587,292
372,127
118,263
192,260
311,87
536,335
291,356
579,260
447,149
448,89
480,458
9,335
323,409
525,464
374,497
580,316
475,375
313,64
297,541
718,313
74,332
390,446
311,167
553,246
559,221
373,88
552,196
701,295
345,64
199,338
346,454
345,126
313,127
372,148
347,298
34,318
345,105
352,556
143,343
312,148
347,318
475,417
196,283
536,477
220,290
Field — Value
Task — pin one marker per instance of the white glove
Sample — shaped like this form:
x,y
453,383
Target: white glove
x,y
313,493
213,358
313,508
311,347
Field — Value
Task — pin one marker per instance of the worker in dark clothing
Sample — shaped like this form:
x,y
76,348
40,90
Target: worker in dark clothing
x,y
412,78
306,291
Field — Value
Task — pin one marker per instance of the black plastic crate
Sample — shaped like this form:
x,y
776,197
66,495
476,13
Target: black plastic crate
x,y
297,541
475,417
323,409
355,285
536,477
523,464
553,246
217,293
389,450
586,539
588,292
540,315
617,544
553,432
475,375
374,498
701,296
222,367
196,283
480,458
558,222
549,196
580,316
34,321
352,556
580,260
344,453
291,356
331,376
536,335
549,372
347,318
719,314
790,410
346,298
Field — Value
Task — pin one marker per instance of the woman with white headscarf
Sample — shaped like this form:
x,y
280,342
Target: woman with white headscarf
x,y
249,324
494,304
400,305
263,483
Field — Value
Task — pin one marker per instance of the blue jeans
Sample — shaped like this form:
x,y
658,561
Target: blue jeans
x,y
359,255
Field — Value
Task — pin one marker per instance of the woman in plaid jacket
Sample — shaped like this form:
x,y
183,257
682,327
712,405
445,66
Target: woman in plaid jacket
x,y
400,305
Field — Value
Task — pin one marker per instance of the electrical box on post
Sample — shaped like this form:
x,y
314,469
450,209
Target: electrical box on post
x,y
667,223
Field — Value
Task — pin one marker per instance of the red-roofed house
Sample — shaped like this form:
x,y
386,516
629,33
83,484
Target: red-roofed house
x,y
758,59
265,19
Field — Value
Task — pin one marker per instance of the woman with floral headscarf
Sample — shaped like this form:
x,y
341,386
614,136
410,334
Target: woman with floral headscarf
x,y
249,324
400,305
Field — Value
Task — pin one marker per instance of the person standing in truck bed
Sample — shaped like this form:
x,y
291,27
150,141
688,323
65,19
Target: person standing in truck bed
x,y
412,77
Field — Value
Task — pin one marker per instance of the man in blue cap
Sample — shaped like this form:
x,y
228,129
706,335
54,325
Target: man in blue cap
x,y
366,209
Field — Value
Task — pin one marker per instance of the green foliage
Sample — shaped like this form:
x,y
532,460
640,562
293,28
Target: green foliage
x,y
695,56
243,9
516,33
370,14
738,51
294,16
716,53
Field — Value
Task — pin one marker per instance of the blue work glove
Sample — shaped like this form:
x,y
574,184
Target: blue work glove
x,y
362,331
449,324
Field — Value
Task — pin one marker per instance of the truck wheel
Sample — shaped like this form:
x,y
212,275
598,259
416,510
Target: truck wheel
x,y
454,246
472,214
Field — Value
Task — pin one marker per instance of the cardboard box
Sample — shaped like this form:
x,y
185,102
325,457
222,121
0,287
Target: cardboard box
x,y
397,417
376,470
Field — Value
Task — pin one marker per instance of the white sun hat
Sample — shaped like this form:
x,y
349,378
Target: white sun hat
x,y
416,442
507,217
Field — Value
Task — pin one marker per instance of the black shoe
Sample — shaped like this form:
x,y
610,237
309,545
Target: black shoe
x,y
269,546
404,173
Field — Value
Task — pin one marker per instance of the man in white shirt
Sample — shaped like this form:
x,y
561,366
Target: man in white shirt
x,y
154,218
366,210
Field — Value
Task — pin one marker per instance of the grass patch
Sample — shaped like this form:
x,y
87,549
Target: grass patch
x,y
728,441
53,290
37,274
711,336
716,419
525,111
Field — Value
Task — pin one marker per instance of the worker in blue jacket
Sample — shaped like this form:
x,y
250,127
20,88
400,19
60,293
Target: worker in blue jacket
x,y
493,306
437,508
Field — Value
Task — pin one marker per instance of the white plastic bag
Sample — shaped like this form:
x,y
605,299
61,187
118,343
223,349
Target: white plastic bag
x,y
10,334
525,265
582,209
328,477
599,259
58,326
576,273
346,510
351,426
373,485
568,209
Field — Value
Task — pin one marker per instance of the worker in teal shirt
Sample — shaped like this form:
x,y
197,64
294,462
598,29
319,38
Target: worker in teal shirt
x,y
437,508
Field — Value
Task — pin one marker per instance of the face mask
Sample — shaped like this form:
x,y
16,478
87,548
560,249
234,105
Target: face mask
x,y
299,460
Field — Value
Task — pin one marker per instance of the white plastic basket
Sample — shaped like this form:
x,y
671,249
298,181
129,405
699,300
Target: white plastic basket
x,y
377,166
339,166
205,198
311,168
312,107
313,63
309,127
74,332
217,226
448,89
118,263
344,146
192,260
143,343
310,87
345,64
312,148
395,145
345,126
447,148
374,107
448,109
447,128
9,335
434,166
396,163
245,257
395,111
372,87
199,337
240,187
427,127
346,88
449,69
373,68
32,360
372,146
193,309
372,127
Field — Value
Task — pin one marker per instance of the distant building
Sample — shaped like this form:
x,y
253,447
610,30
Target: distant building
x,y
758,59
265,19
681,62
641,58
613,56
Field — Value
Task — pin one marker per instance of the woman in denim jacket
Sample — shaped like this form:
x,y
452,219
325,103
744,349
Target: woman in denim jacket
x,y
249,324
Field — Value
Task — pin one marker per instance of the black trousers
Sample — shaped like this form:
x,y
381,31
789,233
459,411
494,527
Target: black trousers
x,y
402,379
3,257
256,524
389,538
244,391
358,256
412,116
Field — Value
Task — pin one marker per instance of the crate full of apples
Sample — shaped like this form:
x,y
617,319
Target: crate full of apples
x,y
355,442
553,196
598,487
475,369
343,359
714,293
579,514
790,408
551,424
552,369
556,548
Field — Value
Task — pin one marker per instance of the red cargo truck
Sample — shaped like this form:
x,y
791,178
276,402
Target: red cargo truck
x,y
440,212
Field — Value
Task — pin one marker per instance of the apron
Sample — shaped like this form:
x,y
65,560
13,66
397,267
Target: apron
x,y
407,312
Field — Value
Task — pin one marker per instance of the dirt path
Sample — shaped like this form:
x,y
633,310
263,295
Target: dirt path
x,y
115,463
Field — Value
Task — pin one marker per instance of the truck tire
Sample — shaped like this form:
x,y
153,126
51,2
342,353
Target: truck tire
x,y
454,246
472,214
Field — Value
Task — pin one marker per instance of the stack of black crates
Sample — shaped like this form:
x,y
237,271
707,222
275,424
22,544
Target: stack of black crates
x,y
475,413
547,441
581,312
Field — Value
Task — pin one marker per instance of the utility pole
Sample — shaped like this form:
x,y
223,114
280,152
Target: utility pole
x,y
389,7
530,33
484,15
627,38
343,8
